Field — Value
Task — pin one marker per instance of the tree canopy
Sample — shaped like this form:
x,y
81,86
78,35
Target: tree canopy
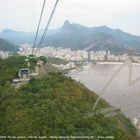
x,y
53,105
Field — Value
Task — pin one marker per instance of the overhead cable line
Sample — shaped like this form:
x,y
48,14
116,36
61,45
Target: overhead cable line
x,y
37,31
47,26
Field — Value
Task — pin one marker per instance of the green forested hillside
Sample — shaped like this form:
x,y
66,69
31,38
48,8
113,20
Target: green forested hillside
x,y
6,46
54,105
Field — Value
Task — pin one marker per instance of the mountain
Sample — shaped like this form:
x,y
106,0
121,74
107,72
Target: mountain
x,y
129,40
77,36
21,37
54,105
17,37
6,46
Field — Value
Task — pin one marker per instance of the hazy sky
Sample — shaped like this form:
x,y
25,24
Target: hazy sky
x,y
24,14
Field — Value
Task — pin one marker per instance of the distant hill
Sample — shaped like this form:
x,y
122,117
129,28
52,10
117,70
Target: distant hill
x,y
16,37
20,37
6,46
76,36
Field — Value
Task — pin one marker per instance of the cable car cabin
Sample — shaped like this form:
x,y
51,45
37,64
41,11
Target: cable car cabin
x,y
24,76
24,73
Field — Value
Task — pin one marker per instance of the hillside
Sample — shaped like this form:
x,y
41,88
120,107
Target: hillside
x,y
77,36
53,105
6,46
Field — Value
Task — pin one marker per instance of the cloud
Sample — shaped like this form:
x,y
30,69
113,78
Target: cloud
x,y
23,15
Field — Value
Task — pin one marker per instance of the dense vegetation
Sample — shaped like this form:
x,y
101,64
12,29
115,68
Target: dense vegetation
x,y
6,46
9,69
54,105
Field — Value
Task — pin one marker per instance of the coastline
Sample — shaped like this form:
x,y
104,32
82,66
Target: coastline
x,y
86,74
115,63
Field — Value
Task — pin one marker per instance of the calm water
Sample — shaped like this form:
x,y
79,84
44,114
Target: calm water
x,y
119,93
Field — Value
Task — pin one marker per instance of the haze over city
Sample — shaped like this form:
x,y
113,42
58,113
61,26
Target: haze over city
x,y
23,15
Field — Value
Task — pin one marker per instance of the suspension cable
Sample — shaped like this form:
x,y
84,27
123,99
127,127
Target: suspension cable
x,y
38,27
47,26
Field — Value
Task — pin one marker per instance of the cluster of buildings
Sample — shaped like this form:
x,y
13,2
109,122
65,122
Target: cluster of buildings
x,y
62,53
4,54
75,55
70,65
71,55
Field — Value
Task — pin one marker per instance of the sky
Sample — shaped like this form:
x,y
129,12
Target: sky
x,y
23,15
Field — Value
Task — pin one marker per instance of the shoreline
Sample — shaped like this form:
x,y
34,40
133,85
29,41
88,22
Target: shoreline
x,y
115,63
79,76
